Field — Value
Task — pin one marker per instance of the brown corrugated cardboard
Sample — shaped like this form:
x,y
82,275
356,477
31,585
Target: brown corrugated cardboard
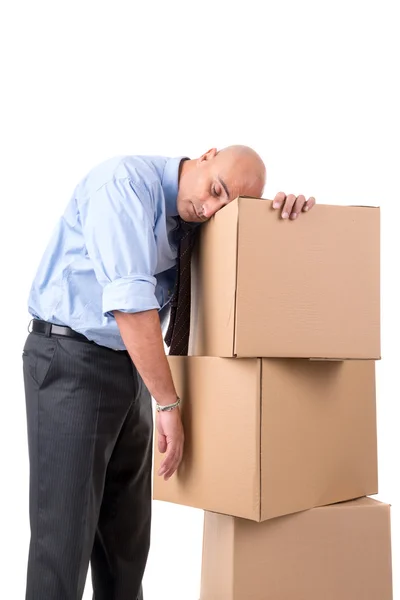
x,y
336,552
269,287
267,437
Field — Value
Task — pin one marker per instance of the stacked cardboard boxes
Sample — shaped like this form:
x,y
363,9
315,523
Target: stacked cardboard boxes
x,y
279,406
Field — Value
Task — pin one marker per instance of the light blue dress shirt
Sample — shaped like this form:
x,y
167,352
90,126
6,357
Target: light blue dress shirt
x,y
114,248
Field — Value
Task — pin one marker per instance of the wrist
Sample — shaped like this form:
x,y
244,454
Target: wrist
x,y
167,407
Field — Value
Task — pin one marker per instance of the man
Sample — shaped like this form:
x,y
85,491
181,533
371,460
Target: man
x,y
95,357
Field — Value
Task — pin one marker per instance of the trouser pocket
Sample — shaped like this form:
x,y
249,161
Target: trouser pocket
x,y
38,355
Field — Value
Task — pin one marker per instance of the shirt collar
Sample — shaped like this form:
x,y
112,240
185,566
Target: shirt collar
x,y
169,182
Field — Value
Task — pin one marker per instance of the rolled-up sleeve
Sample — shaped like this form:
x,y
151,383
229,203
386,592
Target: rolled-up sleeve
x,y
117,223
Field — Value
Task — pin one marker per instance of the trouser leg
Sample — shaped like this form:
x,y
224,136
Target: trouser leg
x,y
78,396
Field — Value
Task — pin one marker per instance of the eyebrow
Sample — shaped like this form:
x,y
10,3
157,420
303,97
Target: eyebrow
x,y
224,186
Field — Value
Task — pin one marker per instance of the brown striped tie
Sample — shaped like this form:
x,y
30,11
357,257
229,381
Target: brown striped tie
x,y
177,336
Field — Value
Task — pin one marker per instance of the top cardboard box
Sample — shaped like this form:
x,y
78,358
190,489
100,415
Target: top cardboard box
x,y
268,287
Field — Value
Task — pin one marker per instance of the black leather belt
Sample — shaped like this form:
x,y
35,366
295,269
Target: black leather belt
x,y
49,329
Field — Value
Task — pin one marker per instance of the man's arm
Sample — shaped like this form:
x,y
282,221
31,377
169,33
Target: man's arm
x,y
141,333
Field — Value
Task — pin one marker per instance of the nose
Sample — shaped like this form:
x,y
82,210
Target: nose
x,y
210,207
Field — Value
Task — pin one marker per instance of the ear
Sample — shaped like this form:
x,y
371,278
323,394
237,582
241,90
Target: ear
x,y
207,155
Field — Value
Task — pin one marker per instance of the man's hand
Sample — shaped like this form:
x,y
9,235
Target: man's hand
x,y
292,205
170,440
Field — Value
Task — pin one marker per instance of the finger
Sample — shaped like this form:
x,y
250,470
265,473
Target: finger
x,y
169,460
164,467
162,443
174,467
298,206
287,209
309,204
166,463
279,200
171,467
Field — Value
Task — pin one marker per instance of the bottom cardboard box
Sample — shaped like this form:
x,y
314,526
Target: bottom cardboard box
x,y
341,551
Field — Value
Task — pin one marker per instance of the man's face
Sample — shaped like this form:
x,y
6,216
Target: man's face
x,y
213,181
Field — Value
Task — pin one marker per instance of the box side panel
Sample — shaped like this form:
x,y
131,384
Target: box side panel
x,y
319,443
214,285
309,288
217,575
342,552
220,412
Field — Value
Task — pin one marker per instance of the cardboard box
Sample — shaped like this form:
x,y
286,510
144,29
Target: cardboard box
x,y
268,287
268,437
336,552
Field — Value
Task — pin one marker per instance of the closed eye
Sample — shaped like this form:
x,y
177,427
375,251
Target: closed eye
x,y
223,184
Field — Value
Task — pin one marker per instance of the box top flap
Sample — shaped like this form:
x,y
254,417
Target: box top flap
x,y
240,198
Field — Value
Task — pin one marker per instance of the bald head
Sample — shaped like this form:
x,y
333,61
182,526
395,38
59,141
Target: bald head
x,y
218,177
246,158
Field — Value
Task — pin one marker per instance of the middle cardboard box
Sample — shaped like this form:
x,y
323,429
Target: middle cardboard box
x,y
268,437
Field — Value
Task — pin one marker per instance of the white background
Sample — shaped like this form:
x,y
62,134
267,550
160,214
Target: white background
x,y
310,85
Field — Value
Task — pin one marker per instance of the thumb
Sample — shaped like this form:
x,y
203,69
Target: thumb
x,y
162,443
